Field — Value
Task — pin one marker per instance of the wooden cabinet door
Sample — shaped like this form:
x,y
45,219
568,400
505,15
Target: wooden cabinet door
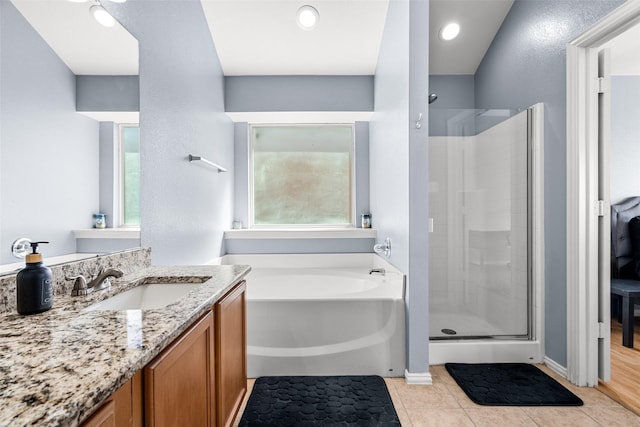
x,y
103,417
179,382
231,354
122,408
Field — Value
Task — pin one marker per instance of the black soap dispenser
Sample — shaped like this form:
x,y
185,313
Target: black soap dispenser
x,y
35,284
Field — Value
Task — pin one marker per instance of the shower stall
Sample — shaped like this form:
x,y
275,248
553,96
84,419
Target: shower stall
x,y
484,305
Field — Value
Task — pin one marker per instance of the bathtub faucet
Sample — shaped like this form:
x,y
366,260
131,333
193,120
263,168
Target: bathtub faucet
x,y
383,248
378,271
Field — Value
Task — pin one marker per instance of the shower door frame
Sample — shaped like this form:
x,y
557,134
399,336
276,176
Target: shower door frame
x,y
525,351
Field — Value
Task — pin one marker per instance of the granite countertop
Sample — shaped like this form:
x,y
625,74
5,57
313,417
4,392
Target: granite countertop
x,y
57,367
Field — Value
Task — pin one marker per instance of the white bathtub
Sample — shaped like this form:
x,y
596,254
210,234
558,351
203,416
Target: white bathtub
x,y
323,315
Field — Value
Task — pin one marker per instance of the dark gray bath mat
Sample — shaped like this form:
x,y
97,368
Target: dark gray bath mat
x,y
319,401
510,384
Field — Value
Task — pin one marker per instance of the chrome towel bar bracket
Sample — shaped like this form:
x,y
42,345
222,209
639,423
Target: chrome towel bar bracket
x,y
193,158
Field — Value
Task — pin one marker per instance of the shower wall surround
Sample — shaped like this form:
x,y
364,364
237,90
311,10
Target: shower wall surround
x,y
478,202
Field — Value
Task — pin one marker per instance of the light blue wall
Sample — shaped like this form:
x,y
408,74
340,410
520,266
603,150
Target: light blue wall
x,y
526,64
455,92
417,296
241,203
398,162
108,166
241,175
48,152
90,246
298,246
107,93
625,137
184,207
299,93
389,136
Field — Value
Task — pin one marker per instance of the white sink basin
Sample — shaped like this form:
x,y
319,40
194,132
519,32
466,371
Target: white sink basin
x,y
147,296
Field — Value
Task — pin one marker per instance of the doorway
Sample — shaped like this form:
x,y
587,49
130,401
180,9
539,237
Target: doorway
x,y
588,203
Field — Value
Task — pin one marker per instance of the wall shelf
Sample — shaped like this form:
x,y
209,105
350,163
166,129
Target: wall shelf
x,y
300,233
107,233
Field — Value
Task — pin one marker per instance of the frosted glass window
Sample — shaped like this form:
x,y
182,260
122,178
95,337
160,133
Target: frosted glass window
x,y
302,175
130,167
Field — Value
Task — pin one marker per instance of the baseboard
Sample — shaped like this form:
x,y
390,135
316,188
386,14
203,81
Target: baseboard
x,y
422,378
555,367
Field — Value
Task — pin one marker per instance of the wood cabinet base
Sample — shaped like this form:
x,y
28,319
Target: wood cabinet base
x,y
179,383
231,354
200,379
123,408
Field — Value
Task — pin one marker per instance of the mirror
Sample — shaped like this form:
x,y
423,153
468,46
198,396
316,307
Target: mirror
x,y
52,157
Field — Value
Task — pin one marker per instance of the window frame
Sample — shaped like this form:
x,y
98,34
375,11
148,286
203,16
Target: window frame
x,y
352,179
120,176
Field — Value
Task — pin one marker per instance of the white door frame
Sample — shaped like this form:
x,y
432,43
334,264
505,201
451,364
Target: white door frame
x,y
582,192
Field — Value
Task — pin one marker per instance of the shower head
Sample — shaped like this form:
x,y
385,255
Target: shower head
x,y
432,98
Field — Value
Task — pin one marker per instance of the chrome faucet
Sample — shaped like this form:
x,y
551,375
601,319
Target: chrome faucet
x,y
381,271
383,248
101,281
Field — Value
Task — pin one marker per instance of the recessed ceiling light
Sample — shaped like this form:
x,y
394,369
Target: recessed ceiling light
x,y
102,16
450,31
307,17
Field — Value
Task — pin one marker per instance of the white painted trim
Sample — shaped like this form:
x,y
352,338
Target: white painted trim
x,y
555,367
423,378
537,232
317,233
582,179
113,116
268,117
107,233
577,218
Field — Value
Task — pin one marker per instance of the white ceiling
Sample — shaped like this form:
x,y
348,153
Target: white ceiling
x,y
479,22
85,46
257,37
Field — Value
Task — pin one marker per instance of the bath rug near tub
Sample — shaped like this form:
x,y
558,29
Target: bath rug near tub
x,y
319,401
510,384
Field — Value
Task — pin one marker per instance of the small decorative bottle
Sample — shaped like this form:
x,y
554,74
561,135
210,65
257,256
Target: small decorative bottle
x,y
365,220
99,220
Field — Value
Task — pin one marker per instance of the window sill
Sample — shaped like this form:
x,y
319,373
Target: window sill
x,y
107,233
302,233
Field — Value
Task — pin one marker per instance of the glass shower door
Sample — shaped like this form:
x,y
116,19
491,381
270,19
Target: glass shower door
x,y
478,202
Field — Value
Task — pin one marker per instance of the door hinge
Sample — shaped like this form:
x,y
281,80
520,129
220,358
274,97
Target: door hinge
x,y
602,85
601,330
600,207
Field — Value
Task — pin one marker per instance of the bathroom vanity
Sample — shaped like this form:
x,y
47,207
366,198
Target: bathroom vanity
x,y
159,366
